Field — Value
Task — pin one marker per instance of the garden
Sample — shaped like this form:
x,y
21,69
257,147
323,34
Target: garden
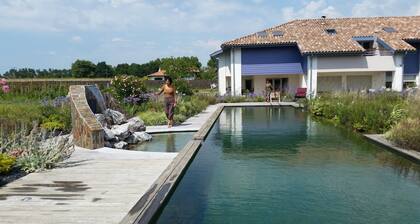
x,y
397,115
28,118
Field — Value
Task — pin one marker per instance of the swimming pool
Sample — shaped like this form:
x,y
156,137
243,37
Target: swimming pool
x,y
167,142
276,165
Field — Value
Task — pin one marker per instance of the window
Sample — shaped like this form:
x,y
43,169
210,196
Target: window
x,y
389,29
262,34
278,33
331,31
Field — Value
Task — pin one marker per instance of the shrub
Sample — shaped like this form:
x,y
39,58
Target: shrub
x,y
153,118
6,163
365,113
406,134
125,86
33,154
183,87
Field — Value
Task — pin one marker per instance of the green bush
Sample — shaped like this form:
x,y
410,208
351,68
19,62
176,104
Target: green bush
x,y
153,118
183,87
34,155
365,113
406,134
125,86
6,163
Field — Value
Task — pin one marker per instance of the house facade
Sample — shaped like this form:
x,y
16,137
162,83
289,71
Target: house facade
x,y
323,55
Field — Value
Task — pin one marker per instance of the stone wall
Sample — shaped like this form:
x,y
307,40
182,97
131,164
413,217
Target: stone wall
x,y
87,131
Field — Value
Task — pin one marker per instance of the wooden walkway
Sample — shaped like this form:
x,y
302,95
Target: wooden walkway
x,y
98,186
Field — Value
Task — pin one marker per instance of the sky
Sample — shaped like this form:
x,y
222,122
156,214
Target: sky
x,y
54,33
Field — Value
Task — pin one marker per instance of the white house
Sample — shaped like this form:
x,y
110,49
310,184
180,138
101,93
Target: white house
x,y
324,55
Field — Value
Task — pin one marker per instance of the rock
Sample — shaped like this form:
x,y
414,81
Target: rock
x,y
138,137
109,144
121,145
109,135
142,136
102,120
116,116
136,124
121,131
132,139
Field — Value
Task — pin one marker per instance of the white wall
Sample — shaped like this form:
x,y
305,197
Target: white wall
x,y
355,63
236,71
397,78
339,81
223,72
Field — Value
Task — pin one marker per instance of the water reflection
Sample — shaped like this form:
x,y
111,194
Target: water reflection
x,y
173,142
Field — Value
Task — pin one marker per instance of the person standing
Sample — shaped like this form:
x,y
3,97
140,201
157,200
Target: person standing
x,y
169,91
268,90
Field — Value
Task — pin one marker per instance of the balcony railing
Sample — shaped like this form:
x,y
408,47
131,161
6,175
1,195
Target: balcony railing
x,y
374,52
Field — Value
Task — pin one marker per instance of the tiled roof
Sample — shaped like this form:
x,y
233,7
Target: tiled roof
x,y
160,73
310,35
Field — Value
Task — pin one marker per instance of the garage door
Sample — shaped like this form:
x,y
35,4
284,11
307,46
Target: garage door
x,y
360,82
329,83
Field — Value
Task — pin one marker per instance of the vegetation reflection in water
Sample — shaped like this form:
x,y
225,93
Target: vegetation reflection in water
x,y
276,165
171,142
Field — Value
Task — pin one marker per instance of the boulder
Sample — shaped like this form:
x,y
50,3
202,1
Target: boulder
x,y
109,135
115,116
142,136
132,139
121,145
121,131
109,144
136,124
102,120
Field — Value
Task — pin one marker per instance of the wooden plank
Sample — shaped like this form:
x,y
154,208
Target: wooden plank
x,y
148,205
206,127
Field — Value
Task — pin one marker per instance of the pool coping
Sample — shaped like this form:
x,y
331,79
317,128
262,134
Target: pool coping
x,y
381,140
154,199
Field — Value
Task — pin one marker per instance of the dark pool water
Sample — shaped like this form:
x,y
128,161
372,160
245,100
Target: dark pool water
x,y
275,165
172,142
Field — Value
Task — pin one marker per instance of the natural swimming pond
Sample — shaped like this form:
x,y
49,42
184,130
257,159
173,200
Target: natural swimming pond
x,y
168,142
276,165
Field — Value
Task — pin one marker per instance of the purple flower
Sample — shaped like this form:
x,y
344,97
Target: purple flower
x,y
6,88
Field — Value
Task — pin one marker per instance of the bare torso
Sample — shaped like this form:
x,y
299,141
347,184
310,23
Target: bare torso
x,y
168,91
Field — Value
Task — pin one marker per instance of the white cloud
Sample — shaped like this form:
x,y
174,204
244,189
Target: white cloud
x,y
52,53
385,8
118,39
76,39
312,9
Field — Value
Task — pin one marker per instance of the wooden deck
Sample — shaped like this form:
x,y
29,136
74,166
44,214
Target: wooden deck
x,y
98,186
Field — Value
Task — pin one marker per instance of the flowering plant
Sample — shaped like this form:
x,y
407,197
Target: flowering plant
x,y
5,88
128,86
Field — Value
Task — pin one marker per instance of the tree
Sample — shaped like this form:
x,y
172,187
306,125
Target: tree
x,y
181,67
122,69
209,72
104,70
83,69
135,70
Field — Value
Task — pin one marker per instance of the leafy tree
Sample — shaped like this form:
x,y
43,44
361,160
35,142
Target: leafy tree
x,y
181,67
210,72
122,69
104,70
135,70
83,69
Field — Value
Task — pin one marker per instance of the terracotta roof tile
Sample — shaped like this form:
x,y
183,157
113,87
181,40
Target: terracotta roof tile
x,y
311,37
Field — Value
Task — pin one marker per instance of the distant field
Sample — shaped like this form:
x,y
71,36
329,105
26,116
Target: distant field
x,y
23,86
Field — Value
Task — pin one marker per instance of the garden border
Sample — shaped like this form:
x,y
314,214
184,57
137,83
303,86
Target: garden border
x,y
146,208
381,140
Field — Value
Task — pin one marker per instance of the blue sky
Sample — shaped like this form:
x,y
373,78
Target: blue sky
x,y
54,33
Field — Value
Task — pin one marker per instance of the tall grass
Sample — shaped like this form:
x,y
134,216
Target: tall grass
x,y
372,113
